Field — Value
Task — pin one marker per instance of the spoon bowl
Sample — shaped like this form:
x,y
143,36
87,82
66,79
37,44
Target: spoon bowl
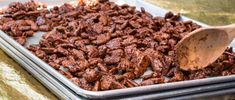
x,y
202,47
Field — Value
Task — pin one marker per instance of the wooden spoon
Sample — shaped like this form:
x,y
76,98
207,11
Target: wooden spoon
x,y
203,46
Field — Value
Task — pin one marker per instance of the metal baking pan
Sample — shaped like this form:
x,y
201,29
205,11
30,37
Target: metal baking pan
x,y
118,92
52,84
67,94
226,94
186,92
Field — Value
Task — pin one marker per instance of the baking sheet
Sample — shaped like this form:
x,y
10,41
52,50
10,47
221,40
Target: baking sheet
x,y
180,93
110,93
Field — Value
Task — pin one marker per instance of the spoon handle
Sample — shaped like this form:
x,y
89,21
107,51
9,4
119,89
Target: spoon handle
x,y
230,30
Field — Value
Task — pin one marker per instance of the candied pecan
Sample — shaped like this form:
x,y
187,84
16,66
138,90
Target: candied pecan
x,y
7,25
95,61
19,15
175,17
92,51
112,59
226,72
142,65
78,54
79,74
128,40
163,48
131,83
103,19
21,40
24,28
67,74
84,84
125,65
134,24
178,76
117,52
102,50
29,33
101,39
91,75
115,56
66,45
158,65
33,48
52,35
41,54
48,50
102,67
114,43
143,32
68,63
145,77
62,51
119,77
97,28
169,15
117,34
233,69
106,82
83,64
96,86
117,85
44,43
197,75
54,65
129,51
82,42
124,25
152,81
113,70
44,28
75,80
32,24
109,82
129,75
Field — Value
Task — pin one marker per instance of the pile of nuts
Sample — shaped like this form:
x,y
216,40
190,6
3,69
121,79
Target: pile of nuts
x,y
106,46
